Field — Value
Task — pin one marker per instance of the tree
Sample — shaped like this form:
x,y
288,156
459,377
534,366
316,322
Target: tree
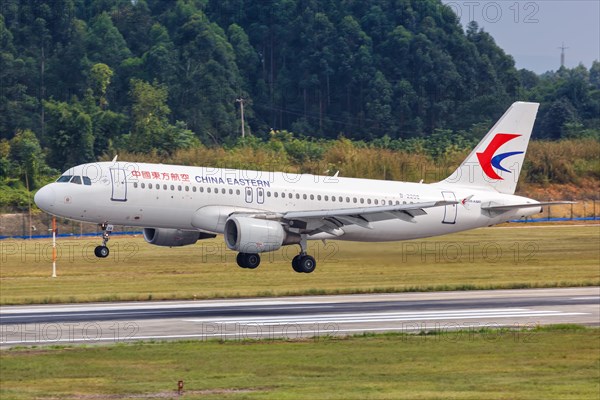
x,y
26,153
100,75
208,81
69,134
105,42
150,129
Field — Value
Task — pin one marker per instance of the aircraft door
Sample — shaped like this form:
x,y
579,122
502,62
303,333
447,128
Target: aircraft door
x,y
119,184
449,210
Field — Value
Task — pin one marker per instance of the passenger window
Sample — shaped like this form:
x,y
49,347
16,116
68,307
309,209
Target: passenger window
x,y
347,199
312,196
326,198
275,194
64,178
201,189
87,181
319,197
194,189
237,191
135,185
173,187
290,195
368,201
143,185
362,201
179,188
164,187
149,186
76,180
304,196
268,194
207,190
298,196
187,188
354,200
376,201
223,191
340,199
230,191
332,198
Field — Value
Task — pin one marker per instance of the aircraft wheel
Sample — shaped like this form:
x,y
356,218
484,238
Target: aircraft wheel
x,y
240,259
295,263
101,251
248,260
307,264
252,260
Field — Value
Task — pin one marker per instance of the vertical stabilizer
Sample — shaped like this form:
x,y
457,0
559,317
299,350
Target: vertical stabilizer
x,y
496,161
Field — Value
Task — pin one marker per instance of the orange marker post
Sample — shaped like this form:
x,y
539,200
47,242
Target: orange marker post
x,y
54,247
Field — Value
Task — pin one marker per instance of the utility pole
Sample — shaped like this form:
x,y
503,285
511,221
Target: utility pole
x,y
562,54
241,101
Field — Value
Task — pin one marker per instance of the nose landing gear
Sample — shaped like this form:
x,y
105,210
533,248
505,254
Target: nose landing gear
x,y
102,250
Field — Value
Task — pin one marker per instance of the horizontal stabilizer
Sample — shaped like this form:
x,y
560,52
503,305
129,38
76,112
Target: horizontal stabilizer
x,y
527,205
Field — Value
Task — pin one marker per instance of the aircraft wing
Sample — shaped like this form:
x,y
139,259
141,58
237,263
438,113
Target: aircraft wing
x,y
329,221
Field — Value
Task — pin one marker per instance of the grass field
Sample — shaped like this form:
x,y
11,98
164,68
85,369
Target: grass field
x,y
502,257
546,363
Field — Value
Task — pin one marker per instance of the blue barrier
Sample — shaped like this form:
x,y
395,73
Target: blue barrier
x,y
556,219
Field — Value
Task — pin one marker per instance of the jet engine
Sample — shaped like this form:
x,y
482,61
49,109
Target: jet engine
x,y
252,235
173,237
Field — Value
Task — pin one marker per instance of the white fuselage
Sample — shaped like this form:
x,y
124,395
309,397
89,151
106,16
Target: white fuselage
x,y
197,198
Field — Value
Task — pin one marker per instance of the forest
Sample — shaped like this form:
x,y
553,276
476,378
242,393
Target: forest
x,y
83,80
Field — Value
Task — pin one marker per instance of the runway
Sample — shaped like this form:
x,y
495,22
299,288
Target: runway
x,y
295,317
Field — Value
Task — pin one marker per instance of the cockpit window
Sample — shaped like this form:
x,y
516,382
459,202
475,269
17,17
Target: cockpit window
x,y
76,179
64,178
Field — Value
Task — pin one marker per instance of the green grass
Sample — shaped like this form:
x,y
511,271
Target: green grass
x,y
489,258
561,362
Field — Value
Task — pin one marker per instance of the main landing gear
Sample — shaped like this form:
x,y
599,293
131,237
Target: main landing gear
x,y
302,263
102,251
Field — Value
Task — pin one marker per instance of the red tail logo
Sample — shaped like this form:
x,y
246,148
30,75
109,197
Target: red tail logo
x,y
487,160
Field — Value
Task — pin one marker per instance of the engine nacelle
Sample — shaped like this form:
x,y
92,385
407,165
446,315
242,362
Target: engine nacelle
x,y
173,237
251,235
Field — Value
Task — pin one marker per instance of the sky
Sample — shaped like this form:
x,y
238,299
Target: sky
x,y
533,31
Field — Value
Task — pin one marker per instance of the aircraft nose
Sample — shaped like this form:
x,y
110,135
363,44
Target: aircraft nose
x,y
45,198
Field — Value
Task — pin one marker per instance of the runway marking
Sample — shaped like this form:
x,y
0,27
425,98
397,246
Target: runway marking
x,y
134,313
390,317
586,298
122,310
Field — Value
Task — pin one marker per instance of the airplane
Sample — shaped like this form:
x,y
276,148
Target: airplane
x,y
261,211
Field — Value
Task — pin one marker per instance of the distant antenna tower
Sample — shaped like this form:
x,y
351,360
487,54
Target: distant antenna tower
x,y
562,54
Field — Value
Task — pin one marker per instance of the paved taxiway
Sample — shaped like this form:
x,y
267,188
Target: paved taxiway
x,y
293,317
